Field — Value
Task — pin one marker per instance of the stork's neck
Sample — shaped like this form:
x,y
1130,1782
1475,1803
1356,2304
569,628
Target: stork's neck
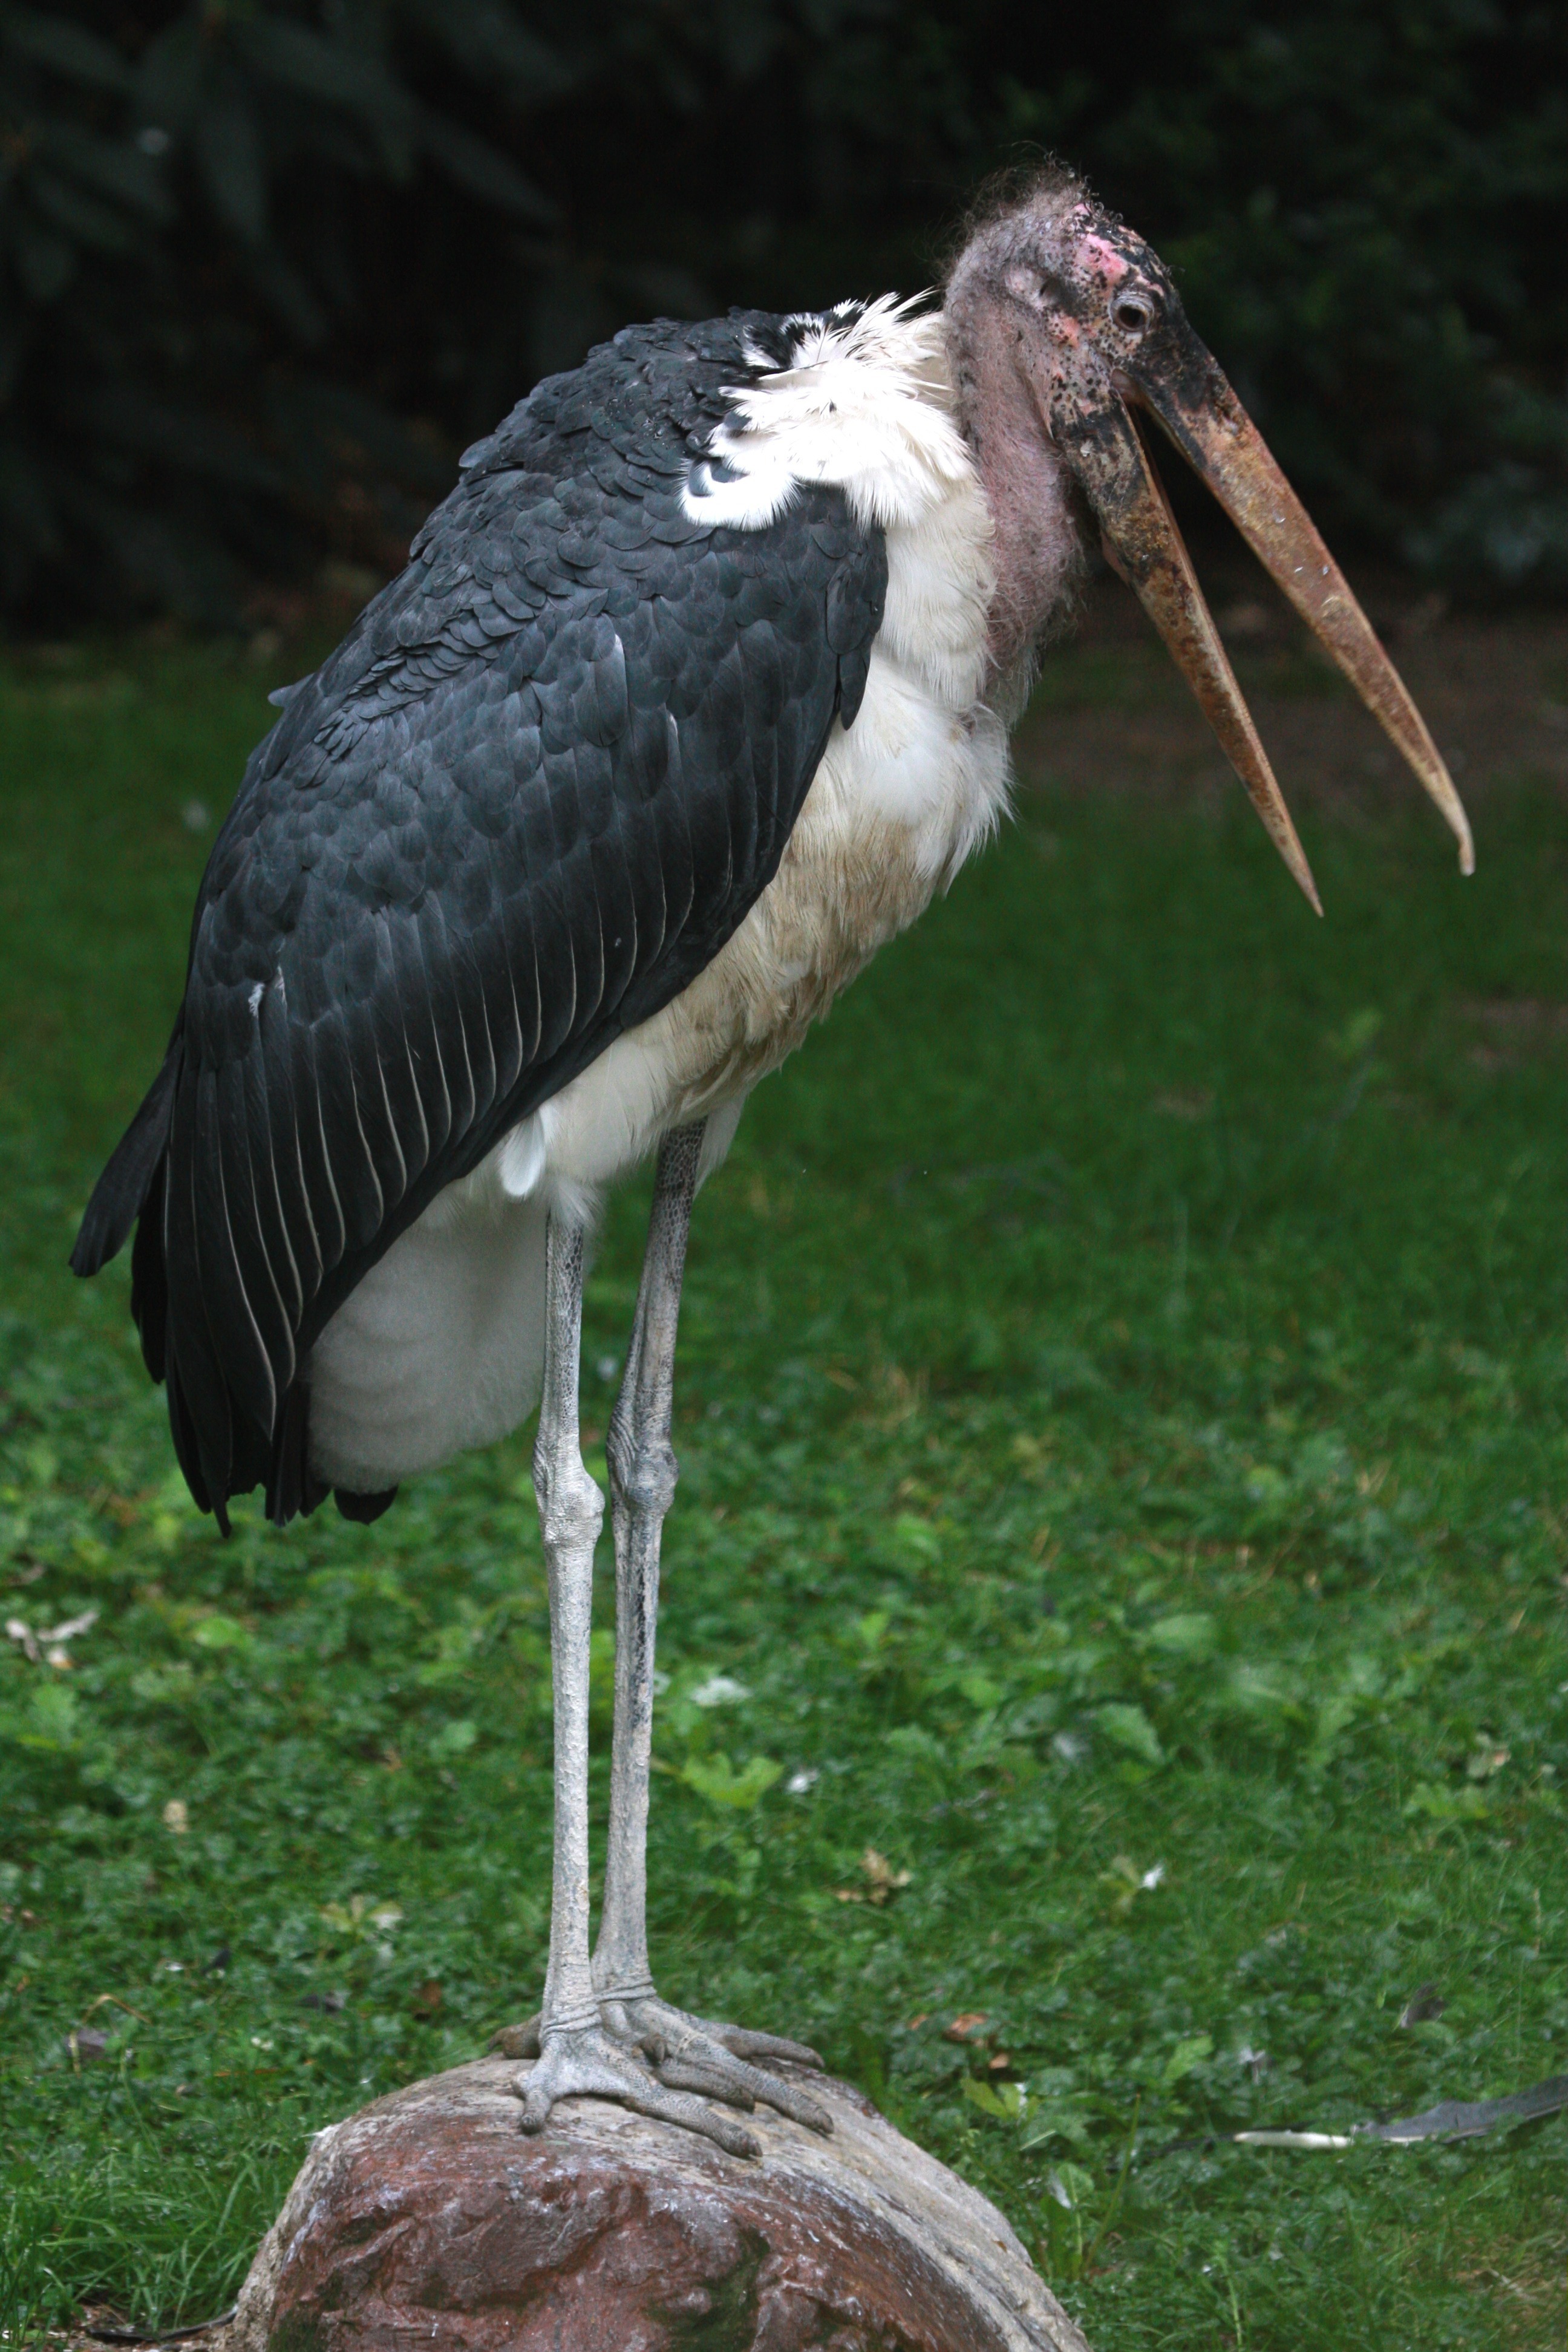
x,y
1035,547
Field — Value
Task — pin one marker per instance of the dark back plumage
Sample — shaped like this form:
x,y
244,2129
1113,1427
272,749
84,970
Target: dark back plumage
x,y
532,795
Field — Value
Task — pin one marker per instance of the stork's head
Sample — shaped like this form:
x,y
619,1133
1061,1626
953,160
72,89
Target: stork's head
x,y
1067,338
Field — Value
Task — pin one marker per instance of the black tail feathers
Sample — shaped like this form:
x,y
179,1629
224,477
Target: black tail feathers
x,y
131,1188
120,1193
363,1509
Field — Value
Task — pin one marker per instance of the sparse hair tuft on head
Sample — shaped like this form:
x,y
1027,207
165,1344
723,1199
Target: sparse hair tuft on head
x,y
1036,182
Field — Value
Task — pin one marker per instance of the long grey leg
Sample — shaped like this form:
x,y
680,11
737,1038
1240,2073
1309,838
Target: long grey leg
x,y
576,2056
571,1514
643,1472
694,2053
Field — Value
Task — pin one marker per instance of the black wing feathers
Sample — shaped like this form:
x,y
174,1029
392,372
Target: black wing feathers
x,y
528,799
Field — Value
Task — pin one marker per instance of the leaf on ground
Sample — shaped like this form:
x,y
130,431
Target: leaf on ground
x,y
1190,2052
1131,1728
454,1739
1193,1633
716,1779
1056,2118
217,1632
1467,1803
1006,2101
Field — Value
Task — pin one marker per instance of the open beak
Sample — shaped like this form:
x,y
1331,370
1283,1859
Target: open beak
x,y
1203,416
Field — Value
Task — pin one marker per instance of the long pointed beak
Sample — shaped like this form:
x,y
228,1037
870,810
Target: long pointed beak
x,y
1107,455
1224,446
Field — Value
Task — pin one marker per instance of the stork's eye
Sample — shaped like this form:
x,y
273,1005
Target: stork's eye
x,y
1131,313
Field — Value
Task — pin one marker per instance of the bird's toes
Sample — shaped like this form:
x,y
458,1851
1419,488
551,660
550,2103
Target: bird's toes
x,y
718,2074
713,2058
537,2101
583,2062
709,2080
785,2098
744,2043
692,2059
798,2104
675,2106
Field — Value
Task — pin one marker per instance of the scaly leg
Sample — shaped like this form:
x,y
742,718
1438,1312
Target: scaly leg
x,y
576,2056
692,2053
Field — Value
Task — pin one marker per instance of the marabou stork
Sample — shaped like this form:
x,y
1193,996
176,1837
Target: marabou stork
x,y
694,691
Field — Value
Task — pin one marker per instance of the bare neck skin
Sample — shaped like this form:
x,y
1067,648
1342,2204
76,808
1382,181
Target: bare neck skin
x,y
1035,546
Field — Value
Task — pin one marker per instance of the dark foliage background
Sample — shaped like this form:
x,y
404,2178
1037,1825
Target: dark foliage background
x,y
266,264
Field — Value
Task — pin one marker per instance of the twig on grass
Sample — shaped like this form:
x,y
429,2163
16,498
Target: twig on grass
x,y
159,2335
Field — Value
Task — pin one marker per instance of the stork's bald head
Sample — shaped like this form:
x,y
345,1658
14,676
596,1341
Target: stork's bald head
x,y
1083,295
1063,324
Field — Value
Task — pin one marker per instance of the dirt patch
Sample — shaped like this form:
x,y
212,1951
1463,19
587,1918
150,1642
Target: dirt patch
x,y
1112,713
1510,1030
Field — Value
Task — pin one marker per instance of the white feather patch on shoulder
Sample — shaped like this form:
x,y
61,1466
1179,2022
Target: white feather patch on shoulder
x,y
868,406
867,403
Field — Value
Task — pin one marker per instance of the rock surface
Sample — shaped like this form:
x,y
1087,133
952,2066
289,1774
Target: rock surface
x,y
429,2219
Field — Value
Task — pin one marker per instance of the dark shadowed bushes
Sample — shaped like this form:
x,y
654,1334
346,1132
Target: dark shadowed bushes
x,y
264,266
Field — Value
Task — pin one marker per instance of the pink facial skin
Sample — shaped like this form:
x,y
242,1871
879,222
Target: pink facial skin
x,y
1103,259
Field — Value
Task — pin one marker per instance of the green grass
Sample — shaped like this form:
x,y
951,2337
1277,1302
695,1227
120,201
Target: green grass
x,y
1122,1437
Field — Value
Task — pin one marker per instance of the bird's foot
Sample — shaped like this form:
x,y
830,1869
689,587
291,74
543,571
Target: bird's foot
x,y
699,2054
584,2062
